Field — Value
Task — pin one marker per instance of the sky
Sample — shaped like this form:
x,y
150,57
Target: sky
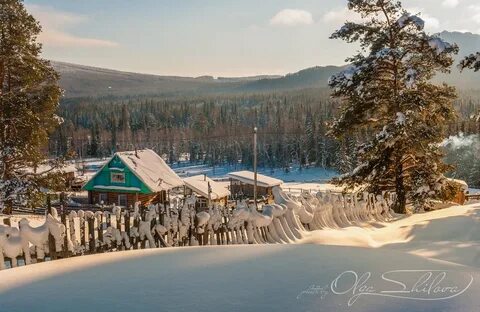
x,y
212,37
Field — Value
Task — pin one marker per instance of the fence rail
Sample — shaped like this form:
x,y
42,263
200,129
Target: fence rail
x,y
473,197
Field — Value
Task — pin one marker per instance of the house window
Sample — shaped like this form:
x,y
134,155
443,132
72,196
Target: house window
x,y
103,198
117,177
202,202
122,200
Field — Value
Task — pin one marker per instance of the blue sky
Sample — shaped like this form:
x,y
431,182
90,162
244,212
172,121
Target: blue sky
x,y
213,37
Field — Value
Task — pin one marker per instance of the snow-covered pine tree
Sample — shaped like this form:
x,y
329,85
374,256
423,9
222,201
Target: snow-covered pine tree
x,y
387,89
472,62
29,96
474,164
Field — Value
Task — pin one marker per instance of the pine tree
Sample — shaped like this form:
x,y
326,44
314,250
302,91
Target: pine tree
x,y
94,144
310,138
472,62
388,90
29,96
474,169
113,131
125,126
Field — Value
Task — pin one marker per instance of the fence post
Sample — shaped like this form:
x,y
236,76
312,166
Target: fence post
x,y
127,224
100,231
65,251
136,224
7,222
91,233
81,220
52,249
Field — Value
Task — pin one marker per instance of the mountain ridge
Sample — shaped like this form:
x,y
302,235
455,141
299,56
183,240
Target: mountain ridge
x,y
89,81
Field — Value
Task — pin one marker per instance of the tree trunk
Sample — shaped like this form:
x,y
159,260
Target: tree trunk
x,y
401,202
8,210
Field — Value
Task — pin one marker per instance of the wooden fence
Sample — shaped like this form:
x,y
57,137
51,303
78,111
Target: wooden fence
x,y
470,197
68,233
85,233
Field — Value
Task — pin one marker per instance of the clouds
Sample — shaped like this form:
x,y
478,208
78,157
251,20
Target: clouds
x,y
431,23
340,16
292,17
450,3
476,13
56,25
295,17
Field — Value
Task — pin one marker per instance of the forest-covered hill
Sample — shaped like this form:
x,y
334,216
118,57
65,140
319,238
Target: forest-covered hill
x,y
85,81
209,121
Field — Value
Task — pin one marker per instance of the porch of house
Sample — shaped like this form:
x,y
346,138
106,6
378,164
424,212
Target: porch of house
x,y
124,199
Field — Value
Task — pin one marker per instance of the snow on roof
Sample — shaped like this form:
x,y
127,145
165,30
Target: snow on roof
x,y
47,168
151,169
247,178
460,182
118,188
199,184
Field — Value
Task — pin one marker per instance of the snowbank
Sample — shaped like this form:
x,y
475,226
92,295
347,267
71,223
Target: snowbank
x,y
228,278
261,277
451,234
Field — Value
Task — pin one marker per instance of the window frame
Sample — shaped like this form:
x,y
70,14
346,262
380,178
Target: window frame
x,y
105,199
119,200
117,174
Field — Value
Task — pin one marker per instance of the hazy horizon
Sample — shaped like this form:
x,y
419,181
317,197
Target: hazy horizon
x,y
215,38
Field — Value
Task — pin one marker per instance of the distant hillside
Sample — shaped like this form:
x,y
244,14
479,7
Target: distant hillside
x,y
313,77
318,76
468,43
81,81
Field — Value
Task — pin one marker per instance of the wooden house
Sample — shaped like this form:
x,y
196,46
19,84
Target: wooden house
x,y
203,186
66,171
462,191
132,176
242,182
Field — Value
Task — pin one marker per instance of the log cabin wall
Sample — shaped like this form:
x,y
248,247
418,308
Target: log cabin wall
x,y
247,189
113,198
238,187
202,202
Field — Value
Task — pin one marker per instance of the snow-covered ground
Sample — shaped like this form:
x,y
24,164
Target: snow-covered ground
x,y
295,277
35,220
298,187
294,174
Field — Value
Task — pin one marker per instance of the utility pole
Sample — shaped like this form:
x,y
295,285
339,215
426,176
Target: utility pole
x,y
255,166
209,194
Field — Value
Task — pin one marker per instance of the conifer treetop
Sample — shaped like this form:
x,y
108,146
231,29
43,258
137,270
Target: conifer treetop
x,y
387,89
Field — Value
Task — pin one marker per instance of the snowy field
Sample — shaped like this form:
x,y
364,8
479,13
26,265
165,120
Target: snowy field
x,y
295,277
294,174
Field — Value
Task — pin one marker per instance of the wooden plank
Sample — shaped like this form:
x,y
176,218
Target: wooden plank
x,y
52,249
127,225
91,234
100,232
473,197
65,251
7,222
82,232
